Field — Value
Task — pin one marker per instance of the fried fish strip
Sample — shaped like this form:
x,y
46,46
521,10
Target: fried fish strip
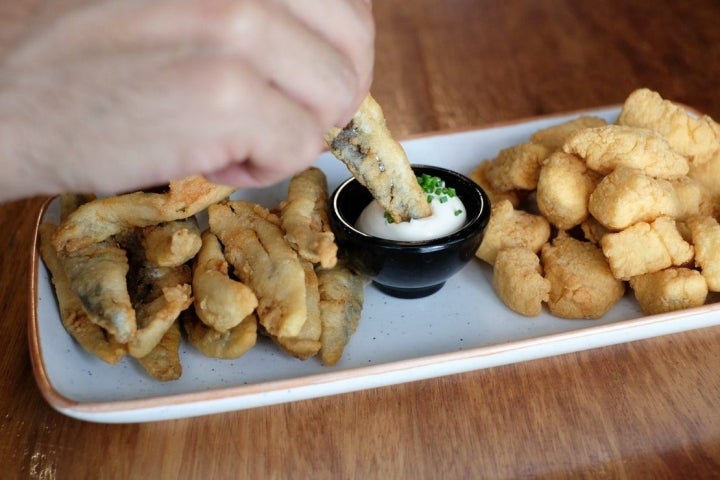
x,y
97,220
262,259
163,361
171,243
75,318
220,302
304,217
230,344
379,162
342,294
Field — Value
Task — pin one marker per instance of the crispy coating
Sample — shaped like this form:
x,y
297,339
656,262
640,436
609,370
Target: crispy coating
x,y
509,227
220,301
518,281
668,290
262,259
646,248
687,134
341,301
75,318
581,283
479,176
69,202
304,217
627,196
606,148
705,233
592,230
554,137
163,361
233,343
693,198
101,218
170,244
564,188
517,167
379,162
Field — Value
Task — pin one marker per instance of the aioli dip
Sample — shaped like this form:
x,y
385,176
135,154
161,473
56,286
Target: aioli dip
x,y
448,216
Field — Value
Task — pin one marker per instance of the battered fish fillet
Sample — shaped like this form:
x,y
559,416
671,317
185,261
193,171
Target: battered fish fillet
x,y
517,167
163,361
554,137
518,281
379,163
230,344
687,134
171,243
304,217
479,176
99,219
342,294
706,239
220,301
255,246
75,318
606,148
669,290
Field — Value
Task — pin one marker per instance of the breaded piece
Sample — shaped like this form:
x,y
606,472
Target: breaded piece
x,y
669,290
518,281
101,218
687,134
646,248
606,148
693,198
378,162
220,302
627,196
706,170
163,361
75,318
304,217
592,230
479,176
517,167
581,283
263,260
554,137
233,343
508,227
170,244
342,293
564,188
706,239
306,343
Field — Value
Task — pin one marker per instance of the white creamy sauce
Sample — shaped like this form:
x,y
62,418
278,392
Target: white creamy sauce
x,y
446,218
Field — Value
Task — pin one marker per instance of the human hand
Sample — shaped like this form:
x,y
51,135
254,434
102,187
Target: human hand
x,y
122,95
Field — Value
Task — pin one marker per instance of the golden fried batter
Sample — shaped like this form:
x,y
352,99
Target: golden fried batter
x,y
706,239
554,137
668,290
230,344
479,176
163,361
518,281
171,243
517,167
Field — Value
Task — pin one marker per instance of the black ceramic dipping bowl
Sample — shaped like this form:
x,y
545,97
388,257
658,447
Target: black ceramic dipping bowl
x,y
409,269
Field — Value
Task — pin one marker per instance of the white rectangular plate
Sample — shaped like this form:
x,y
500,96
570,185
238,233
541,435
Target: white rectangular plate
x,y
462,327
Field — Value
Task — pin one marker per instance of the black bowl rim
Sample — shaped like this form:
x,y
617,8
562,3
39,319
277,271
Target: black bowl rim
x,y
473,225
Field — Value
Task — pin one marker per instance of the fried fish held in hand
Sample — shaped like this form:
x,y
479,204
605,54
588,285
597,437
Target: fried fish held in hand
x,y
379,163
304,218
255,246
75,318
171,243
99,219
220,301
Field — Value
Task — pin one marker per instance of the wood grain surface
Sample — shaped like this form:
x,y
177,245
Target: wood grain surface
x,y
647,409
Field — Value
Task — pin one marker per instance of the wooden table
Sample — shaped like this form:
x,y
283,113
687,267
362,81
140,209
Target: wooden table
x,y
647,409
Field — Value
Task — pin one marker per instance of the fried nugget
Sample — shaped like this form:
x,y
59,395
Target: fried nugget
x,y
230,344
705,233
517,167
592,230
693,198
75,318
220,301
304,217
687,134
173,243
262,259
378,162
627,196
606,148
163,361
479,176
555,136
581,283
518,281
101,218
509,227
564,188
669,290
645,248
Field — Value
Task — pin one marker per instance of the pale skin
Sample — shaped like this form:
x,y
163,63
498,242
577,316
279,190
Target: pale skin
x,y
121,95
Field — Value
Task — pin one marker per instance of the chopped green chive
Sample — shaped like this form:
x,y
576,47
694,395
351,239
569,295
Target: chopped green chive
x,y
388,218
435,187
457,212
